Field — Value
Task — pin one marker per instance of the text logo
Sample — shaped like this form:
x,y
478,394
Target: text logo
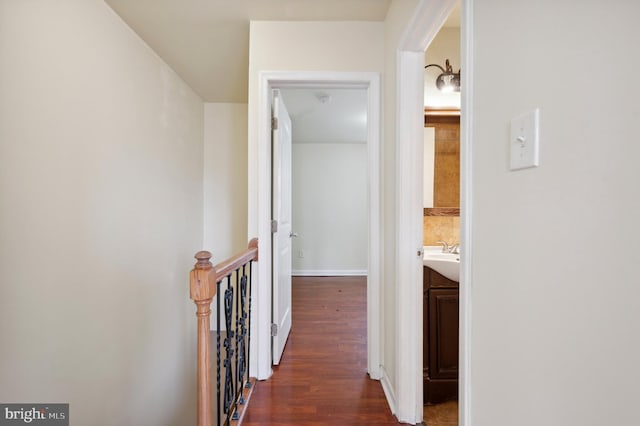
x,y
34,414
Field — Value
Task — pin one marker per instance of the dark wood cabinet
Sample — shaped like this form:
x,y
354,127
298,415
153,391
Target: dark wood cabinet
x,y
440,344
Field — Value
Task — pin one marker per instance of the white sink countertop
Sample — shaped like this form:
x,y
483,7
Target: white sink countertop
x,y
447,264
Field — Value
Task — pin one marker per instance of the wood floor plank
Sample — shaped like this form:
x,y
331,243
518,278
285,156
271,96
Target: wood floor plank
x,y
322,378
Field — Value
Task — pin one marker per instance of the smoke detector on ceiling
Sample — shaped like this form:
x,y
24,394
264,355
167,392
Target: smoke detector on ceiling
x,y
323,98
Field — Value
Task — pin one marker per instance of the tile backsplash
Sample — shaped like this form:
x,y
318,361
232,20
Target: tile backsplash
x,y
441,228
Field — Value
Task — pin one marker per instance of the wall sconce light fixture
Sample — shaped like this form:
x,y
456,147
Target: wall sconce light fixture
x,y
448,81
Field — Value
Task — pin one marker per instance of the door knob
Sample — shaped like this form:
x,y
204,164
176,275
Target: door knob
x,y
293,235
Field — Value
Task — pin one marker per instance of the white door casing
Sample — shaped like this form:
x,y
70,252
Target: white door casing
x,y
269,80
281,208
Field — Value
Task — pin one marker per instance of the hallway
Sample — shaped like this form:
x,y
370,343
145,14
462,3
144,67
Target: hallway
x,y
322,379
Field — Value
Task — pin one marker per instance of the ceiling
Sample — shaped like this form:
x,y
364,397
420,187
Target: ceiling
x,y
453,21
340,115
207,41
327,115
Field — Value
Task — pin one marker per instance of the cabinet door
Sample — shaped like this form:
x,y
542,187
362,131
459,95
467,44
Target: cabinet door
x,y
425,325
443,333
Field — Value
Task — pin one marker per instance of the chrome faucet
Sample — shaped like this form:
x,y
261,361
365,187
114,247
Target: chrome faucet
x,y
445,246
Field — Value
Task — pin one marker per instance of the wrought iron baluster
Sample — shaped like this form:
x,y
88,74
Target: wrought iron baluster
x,y
234,411
228,344
218,352
242,364
242,333
248,384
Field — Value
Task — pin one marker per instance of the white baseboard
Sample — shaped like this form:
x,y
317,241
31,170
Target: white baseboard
x,y
388,390
328,272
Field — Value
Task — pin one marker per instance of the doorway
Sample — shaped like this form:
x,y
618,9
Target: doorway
x,y
319,80
427,20
319,192
442,93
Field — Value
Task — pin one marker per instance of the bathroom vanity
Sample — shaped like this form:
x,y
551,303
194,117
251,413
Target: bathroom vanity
x,y
440,344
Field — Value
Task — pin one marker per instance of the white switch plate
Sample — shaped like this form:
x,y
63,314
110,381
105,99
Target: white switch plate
x,y
524,142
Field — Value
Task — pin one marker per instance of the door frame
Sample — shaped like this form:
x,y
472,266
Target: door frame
x,y
269,80
427,21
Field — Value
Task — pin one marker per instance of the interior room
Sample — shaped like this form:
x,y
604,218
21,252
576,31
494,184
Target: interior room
x,y
329,180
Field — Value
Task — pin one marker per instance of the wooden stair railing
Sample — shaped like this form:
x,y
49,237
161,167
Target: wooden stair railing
x,y
205,282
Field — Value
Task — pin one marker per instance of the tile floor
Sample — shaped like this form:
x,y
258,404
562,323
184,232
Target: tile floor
x,y
445,414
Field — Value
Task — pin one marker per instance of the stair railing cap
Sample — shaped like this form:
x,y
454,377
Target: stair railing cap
x,y
203,258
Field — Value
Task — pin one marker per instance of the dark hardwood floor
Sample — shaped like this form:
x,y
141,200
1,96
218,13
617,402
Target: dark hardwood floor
x,y
322,378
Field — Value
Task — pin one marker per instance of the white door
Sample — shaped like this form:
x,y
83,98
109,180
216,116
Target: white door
x,y
281,215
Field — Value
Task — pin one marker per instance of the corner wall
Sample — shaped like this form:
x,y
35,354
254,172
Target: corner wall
x,y
101,195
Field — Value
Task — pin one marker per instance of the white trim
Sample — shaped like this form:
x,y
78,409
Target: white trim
x,y
263,296
427,20
466,215
274,79
329,272
375,315
387,388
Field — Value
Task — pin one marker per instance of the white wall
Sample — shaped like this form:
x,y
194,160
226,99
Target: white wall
x,y
225,179
555,249
101,213
330,208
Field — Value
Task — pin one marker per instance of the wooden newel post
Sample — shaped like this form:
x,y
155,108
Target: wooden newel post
x,y
253,244
202,286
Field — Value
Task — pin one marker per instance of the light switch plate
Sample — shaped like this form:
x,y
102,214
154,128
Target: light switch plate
x,y
524,142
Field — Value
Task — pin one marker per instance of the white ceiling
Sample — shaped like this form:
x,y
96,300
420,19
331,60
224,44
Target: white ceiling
x,y
453,21
207,41
327,115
